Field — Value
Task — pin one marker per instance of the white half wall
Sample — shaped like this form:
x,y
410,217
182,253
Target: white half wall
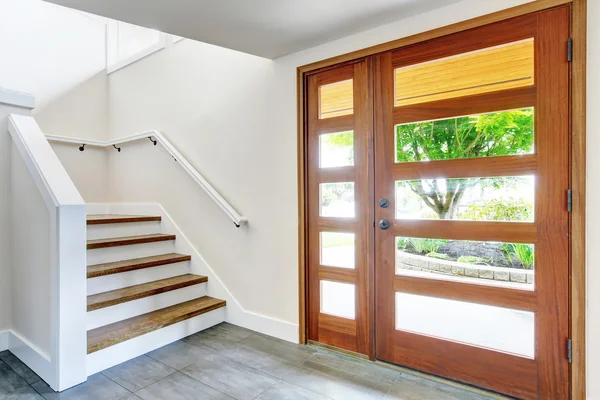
x,y
7,107
30,251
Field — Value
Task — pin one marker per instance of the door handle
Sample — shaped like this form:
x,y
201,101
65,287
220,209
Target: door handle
x,y
384,224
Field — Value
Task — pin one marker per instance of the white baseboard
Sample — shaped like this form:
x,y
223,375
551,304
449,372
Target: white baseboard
x,y
4,335
31,356
235,312
114,355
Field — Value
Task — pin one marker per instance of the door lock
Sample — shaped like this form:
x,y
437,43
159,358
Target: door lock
x,y
384,224
384,203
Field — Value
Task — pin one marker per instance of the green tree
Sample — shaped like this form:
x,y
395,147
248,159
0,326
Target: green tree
x,y
486,135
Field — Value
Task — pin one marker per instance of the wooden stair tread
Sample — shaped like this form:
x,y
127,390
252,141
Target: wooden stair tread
x,y
117,267
97,219
128,240
109,335
114,297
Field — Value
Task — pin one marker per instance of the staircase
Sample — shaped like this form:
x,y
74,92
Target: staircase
x,y
141,294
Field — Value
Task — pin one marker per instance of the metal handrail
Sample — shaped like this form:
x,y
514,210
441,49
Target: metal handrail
x,y
237,219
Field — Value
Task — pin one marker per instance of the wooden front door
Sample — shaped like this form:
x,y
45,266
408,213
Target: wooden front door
x,y
438,206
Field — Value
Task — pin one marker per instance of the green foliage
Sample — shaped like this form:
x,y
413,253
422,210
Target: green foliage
x,y
341,139
403,242
472,260
439,256
426,245
499,210
485,135
522,252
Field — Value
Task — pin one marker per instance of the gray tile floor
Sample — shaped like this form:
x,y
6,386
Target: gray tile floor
x,y
228,362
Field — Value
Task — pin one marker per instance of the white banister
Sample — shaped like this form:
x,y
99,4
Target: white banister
x,y
48,241
237,219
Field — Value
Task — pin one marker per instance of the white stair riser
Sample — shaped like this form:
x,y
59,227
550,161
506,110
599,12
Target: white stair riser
x,y
134,308
120,253
104,231
113,355
118,281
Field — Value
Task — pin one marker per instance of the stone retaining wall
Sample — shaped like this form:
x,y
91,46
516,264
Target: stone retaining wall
x,y
414,262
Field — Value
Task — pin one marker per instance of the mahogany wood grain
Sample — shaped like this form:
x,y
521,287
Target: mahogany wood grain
x,y
98,219
546,376
109,335
463,291
128,240
337,324
470,105
360,174
117,267
466,168
337,174
578,185
492,231
470,364
445,109
337,274
552,218
334,125
503,32
119,296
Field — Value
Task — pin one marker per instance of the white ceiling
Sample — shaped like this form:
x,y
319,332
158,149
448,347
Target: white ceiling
x,y
267,28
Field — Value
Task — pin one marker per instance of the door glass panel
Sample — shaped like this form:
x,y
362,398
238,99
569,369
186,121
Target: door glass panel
x,y
337,199
336,149
337,249
491,263
338,299
484,135
336,99
505,198
496,68
496,328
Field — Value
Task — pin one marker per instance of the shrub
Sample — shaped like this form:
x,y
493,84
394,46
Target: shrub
x,y
499,210
402,243
433,254
522,252
426,245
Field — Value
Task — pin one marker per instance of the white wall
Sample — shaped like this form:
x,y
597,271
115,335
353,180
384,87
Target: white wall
x,y
48,50
5,158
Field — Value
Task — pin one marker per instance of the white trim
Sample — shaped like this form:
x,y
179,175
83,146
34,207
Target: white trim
x,y
67,238
31,356
4,337
237,219
235,312
17,99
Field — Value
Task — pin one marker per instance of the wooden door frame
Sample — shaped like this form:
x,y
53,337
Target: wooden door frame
x,y
577,245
